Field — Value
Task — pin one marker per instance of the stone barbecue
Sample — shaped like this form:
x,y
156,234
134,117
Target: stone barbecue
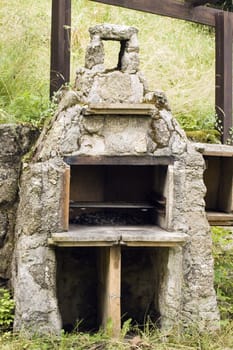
x,y
111,220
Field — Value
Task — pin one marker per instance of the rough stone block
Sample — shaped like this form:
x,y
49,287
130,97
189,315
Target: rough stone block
x,y
9,176
116,87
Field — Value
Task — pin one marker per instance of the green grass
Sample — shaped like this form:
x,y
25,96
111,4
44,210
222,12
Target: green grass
x,y
176,57
223,259
146,339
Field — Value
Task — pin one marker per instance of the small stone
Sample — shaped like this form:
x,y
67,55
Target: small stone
x,y
69,99
160,133
94,53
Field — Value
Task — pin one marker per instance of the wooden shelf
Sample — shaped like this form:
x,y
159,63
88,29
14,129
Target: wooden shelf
x,y
144,236
220,218
214,150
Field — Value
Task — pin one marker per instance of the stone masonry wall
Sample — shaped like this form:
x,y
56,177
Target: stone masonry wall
x,y
15,141
39,213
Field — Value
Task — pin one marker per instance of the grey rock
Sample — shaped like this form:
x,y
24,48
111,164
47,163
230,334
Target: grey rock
x,y
116,87
113,31
94,53
160,133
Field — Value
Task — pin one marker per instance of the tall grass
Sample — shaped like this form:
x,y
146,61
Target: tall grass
x,y
24,62
137,340
176,56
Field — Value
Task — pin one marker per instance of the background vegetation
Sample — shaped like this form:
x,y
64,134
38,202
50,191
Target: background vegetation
x,y
176,57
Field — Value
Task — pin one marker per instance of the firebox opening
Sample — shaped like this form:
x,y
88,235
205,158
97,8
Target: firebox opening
x,y
140,278
77,288
117,195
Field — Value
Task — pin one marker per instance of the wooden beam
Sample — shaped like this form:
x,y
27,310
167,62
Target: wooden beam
x,y
60,44
223,99
65,199
118,160
171,8
110,283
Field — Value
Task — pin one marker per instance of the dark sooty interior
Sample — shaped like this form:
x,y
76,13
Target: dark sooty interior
x,y
115,184
77,281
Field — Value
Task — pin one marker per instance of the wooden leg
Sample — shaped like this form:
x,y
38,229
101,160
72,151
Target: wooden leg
x,y
110,289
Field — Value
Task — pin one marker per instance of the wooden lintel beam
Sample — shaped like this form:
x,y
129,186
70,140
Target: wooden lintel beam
x,y
171,8
60,44
118,160
224,57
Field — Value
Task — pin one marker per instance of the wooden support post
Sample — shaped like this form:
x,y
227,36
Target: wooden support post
x,y
65,199
223,97
110,289
60,44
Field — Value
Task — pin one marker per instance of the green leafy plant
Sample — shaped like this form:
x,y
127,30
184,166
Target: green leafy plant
x,y
6,310
223,264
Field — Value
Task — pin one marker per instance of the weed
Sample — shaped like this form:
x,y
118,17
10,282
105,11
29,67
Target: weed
x,y
6,310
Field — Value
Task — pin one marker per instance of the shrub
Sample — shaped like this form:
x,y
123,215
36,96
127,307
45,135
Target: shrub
x,y
6,310
223,264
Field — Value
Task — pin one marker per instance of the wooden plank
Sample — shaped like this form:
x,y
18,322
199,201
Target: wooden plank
x,y
111,283
215,150
118,160
220,219
74,243
218,153
149,235
113,205
223,96
171,8
60,44
153,244
219,216
120,109
65,199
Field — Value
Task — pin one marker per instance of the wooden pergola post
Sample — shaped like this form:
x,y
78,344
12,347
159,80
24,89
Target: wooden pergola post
x,y
223,85
60,44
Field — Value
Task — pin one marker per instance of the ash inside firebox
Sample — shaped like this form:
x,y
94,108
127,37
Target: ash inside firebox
x,y
111,217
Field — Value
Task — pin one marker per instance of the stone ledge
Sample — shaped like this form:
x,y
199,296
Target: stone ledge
x,y
120,109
